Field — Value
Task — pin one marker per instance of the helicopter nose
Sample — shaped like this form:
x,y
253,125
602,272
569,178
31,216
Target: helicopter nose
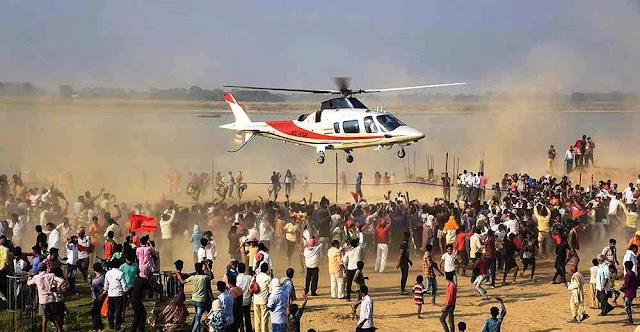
x,y
414,134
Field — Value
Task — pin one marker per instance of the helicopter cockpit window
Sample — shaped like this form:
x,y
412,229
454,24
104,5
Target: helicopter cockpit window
x,y
369,125
351,127
389,122
336,127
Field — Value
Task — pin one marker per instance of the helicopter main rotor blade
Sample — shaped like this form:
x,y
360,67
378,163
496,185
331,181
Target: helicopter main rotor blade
x,y
409,88
284,89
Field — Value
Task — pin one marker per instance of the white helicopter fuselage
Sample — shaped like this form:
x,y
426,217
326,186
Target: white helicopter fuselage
x,y
330,128
342,129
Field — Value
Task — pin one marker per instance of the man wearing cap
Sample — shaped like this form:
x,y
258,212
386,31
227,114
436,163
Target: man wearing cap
x,y
84,249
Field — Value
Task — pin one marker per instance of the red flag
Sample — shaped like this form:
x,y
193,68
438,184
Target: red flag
x,y
143,224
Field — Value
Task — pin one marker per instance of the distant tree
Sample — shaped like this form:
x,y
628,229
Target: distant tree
x,y
578,97
195,93
213,95
65,91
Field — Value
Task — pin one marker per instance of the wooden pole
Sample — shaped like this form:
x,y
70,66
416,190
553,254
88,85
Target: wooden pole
x,y
336,177
446,162
212,178
580,179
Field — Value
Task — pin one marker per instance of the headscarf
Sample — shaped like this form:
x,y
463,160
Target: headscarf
x,y
576,285
451,224
196,229
145,271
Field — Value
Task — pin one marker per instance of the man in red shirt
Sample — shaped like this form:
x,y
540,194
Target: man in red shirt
x,y
382,238
449,306
461,250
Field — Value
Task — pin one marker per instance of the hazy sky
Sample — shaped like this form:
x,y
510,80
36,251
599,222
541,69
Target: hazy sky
x,y
546,44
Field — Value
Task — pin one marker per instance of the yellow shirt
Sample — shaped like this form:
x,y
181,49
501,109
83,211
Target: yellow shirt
x,y
252,254
335,260
4,253
291,231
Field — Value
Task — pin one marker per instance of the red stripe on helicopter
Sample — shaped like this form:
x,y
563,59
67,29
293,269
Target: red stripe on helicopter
x,y
289,128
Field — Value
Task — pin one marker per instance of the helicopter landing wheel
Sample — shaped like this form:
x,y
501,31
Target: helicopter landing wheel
x,y
401,153
349,158
320,158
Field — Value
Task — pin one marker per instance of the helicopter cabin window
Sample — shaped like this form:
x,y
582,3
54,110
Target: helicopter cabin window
x,y
389,122
351,127
336,127
370,126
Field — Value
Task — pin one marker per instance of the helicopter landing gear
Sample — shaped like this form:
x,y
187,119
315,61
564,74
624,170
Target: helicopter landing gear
x,y
401,153
349,156
320,158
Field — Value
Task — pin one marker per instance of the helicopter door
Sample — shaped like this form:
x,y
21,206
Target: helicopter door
x,y
369,125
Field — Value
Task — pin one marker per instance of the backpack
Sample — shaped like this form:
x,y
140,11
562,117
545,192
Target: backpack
x,y
254,288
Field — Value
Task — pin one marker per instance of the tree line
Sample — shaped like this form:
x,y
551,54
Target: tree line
x,y
26,89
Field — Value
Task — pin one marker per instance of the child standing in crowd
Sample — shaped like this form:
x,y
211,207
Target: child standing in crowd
x,y
418,294
359,278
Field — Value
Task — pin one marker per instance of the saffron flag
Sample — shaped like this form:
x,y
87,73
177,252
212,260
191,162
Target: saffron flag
x,y
143,224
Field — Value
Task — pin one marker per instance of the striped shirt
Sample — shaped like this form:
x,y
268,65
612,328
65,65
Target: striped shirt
x,y
418,291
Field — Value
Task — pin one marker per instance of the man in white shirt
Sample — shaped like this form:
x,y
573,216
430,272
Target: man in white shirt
x,y
166,223
17,225
365,322
115,287
311,261
512,225
54,237
84,245
244,282
350,260
631,256
266,232
627,193
72,261
260,299
448,263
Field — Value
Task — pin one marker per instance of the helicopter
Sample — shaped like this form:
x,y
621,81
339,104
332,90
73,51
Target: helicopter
x,y
342,123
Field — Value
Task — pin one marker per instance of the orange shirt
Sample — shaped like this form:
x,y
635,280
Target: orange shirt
x,y
634,240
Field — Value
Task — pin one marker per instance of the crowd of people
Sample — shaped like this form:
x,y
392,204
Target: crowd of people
x,y
502,231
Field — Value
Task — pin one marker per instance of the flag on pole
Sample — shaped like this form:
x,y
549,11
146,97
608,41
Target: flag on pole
x,y
143,224
193,191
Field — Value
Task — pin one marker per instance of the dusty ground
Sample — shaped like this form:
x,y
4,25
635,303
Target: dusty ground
x,y
531,306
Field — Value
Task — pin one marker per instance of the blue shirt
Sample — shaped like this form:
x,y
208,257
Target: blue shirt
x,y
278,305
493,325
36,261
227,305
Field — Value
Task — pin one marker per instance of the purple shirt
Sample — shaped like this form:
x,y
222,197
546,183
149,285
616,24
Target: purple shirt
x,y
629,285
